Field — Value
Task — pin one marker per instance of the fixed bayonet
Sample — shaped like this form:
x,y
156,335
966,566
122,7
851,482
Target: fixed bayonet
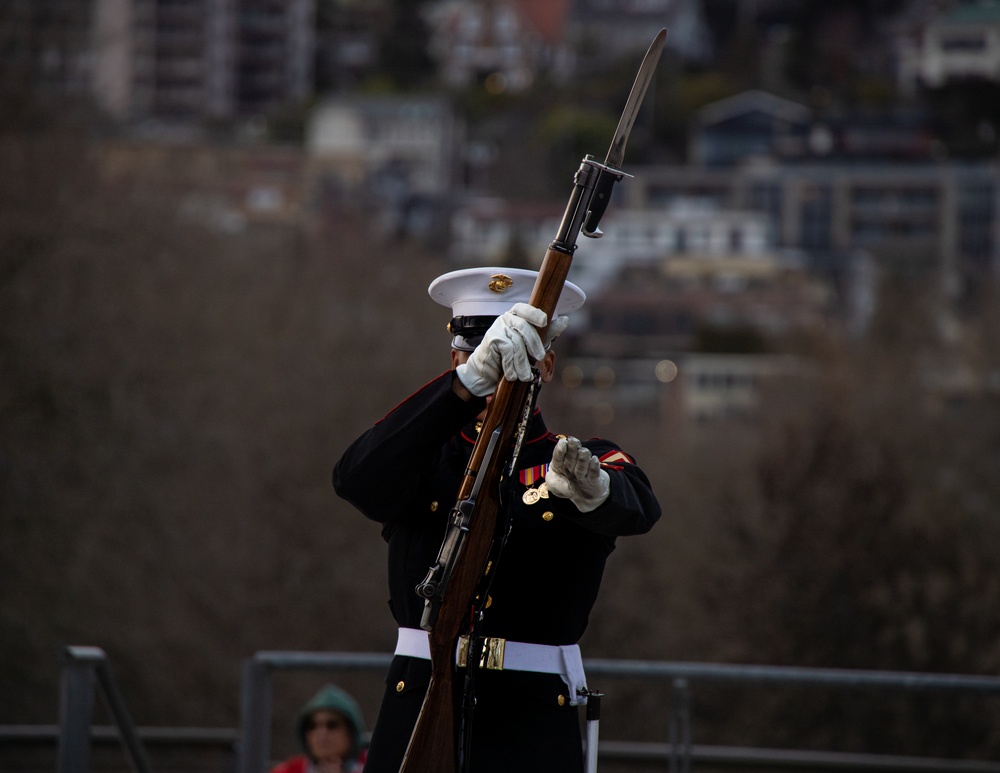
x,y
610,172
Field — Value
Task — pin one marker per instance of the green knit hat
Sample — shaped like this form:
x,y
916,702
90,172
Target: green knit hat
x,y
332,698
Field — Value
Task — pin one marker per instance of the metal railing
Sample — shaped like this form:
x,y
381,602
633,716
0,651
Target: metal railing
x,y
84,669
679,752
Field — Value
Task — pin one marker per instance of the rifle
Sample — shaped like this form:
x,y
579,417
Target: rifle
x,y
475,530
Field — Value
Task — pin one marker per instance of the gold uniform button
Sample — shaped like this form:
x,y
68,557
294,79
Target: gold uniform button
x,y
401,684
561,700
434,507
547,515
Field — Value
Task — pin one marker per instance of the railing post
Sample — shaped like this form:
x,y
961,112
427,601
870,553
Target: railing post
x,y
76,707
255,717
84,668
680,727
122,717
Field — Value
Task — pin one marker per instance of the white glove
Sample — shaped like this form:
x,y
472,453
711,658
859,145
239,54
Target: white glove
x,y
509,347
576,474
556,328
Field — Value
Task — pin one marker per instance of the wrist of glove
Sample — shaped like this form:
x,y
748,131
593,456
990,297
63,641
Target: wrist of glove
x,y
510,347
576,474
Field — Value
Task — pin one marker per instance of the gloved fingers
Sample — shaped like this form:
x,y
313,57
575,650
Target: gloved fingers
x,y
514,358
576,474
587,468
556,328
535,316
571,455
574,454
564,456
558,462
595,493
516,342
538,319
525,329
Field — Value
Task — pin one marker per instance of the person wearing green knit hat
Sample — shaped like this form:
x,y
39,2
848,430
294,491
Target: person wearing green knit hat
x,y
330,728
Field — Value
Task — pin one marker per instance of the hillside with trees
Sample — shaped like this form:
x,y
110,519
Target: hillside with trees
x,y
173,400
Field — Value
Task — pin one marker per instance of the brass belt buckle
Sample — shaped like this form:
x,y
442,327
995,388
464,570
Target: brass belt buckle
x,y
491,657
493,654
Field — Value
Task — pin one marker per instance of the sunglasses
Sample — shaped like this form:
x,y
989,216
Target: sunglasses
x,y
329,724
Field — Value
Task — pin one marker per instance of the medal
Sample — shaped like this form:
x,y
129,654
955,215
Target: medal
x,y
543,490
530,496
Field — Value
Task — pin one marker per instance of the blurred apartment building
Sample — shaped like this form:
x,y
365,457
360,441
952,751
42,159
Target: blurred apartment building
x,y
508,44
392,157
166,60
616,28
961,40
766,176
862,182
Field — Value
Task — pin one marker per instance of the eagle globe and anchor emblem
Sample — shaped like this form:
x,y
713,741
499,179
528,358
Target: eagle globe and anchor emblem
x,y
500,283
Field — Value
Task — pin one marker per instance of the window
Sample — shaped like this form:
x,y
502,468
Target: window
x,y
964,42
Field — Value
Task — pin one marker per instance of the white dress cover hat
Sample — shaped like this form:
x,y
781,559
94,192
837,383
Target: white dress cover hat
x,y
477,296
490,291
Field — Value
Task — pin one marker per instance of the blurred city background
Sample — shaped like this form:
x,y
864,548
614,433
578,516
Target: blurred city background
x,y
218,220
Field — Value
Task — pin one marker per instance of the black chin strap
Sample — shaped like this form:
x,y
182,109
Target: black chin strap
x,y
470,327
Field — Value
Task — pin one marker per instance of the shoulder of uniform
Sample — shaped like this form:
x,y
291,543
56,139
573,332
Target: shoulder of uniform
x,y
607,451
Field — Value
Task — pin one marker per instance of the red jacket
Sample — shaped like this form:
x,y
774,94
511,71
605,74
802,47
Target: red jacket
x,y
300,764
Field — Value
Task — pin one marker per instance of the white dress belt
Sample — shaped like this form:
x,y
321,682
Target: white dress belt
x,y
503,655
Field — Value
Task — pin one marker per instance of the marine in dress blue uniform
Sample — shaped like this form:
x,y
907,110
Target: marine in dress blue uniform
x,y
569,503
